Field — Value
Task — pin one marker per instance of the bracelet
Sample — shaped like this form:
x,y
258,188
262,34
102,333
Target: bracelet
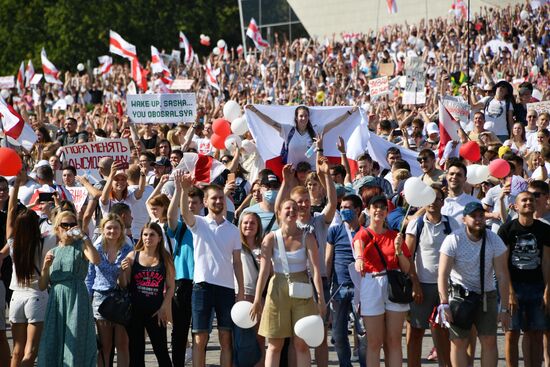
x,y
349,113
319,150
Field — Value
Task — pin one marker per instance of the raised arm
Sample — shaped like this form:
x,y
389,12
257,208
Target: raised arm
x,y
104,199
156,191
173,213
286,186
331,125
138,194
323,170
186,182
265,118
344,159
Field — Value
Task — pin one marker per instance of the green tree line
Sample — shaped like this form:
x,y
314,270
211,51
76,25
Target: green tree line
x,y
77,31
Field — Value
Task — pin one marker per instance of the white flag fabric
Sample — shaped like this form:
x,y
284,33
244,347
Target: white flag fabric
x,y
29,73
12,122
118,46
254,32
106,62
189,53
20,80
211,75
51,74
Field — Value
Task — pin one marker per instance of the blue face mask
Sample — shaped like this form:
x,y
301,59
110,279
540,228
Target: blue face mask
x,y
347,214
270,196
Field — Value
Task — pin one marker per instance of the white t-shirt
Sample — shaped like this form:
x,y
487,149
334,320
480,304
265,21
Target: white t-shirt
x,y
495,116
139,209
492,200
453,207
250,271
27,190
466,255
213,251
298,146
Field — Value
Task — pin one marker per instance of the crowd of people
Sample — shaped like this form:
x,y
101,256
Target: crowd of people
x,y
318,238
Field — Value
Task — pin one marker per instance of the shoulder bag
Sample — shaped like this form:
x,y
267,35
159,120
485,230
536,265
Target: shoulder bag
x,y
295,289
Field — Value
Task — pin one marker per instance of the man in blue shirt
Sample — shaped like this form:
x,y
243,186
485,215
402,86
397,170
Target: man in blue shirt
x,y
339,254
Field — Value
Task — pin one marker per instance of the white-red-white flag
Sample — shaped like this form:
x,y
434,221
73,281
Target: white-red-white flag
x,y
12,122
51,74
392,6
118,46
203,168
240,49
20,82
460,9
159,67
29,73
448,128
254,32
105,64
139,74
210,75
189,53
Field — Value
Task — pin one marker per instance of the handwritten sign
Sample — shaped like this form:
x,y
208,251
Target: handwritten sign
x,y
161,108
415,90
539,106
457,108
79,196
85,157
379,87
7,82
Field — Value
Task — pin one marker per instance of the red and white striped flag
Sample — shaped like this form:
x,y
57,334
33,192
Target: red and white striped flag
x,y
448,128
29,73
211,75
106,62
189,53
461,9
20,82
118,46
139,74
392,6
159,67
254,32
203,168
51,74
12,122
240,49
352,60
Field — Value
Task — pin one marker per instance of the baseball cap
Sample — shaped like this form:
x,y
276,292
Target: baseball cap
x,y
270,179
472,207
432,128
162,161
378,199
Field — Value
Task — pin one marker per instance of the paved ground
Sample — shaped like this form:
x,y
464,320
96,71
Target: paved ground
x,y
213,352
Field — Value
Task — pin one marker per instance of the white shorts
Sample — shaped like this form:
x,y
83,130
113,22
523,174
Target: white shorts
x,y
2,306
374,297
28,308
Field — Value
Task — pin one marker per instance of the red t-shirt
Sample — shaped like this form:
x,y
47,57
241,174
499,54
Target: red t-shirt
x,y
385,242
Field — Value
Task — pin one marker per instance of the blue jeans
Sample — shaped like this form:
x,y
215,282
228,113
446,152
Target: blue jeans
x,y
341,306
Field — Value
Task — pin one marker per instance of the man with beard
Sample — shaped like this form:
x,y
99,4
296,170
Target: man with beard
x,y
528,250
460,262
217,256
431,175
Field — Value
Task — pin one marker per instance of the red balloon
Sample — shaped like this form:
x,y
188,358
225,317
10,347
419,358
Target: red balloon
x,y
218,141
499,168
10,162
470,151
222,127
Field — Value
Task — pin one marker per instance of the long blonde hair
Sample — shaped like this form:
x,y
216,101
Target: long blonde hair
x,y
112,217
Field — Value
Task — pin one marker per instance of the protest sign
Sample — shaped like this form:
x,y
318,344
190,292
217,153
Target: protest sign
x,y
518,184
415,91
79,196
7,82
161,108
539,106
457,108
85,157
379,87
386,69
181,84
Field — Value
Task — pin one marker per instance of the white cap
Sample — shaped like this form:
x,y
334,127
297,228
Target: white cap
x,y
432,128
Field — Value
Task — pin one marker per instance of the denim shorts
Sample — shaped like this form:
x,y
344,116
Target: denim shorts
x,y
530,315
207,297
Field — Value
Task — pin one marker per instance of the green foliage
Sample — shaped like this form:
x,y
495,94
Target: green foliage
x,y
76,31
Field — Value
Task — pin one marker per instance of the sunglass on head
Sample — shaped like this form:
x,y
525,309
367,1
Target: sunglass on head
x,y
67,225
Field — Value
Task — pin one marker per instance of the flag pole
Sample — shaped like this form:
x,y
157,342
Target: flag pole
x,y
242,28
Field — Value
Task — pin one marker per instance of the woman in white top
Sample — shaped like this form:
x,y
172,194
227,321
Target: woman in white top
x,y
517,141
116,188
281,312
299,138
28,303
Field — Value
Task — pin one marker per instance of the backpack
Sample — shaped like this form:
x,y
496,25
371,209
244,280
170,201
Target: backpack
x,y
284,148
420,227
246,349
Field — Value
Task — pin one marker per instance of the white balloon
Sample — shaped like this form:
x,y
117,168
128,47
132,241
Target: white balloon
x,y
417,193
311,329
232,139
221,43
69,99
240,314
524,14
5,93
239,126
248,146
231,110
80,67
477,173
216,51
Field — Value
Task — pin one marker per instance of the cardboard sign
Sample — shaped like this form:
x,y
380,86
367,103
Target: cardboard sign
x,y
379,87
85,156
518,184
415,90
7,82
457,108
161,108
386,69
79,196
539,106
181,84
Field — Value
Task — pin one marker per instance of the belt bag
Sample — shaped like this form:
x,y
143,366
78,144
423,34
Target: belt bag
x,y
295,289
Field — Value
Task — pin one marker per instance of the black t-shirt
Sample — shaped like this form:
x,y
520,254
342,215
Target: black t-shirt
x,y
525,248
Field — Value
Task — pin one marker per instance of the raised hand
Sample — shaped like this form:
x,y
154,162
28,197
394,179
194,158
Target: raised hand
x,y
341,145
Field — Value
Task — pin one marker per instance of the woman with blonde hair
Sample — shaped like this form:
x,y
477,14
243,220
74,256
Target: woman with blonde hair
x,y
112,248
149,274
68,338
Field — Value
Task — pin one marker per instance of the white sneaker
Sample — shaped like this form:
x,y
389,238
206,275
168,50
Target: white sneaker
x,y
188,355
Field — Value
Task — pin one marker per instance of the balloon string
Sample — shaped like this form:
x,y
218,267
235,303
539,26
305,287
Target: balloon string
x,y
405,217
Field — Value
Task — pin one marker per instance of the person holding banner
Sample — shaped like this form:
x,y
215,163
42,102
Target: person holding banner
x,y
299,138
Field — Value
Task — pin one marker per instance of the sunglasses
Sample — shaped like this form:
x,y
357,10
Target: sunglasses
x,y
421,159
68,225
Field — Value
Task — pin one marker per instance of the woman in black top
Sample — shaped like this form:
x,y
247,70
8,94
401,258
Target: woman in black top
x,y
148,272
